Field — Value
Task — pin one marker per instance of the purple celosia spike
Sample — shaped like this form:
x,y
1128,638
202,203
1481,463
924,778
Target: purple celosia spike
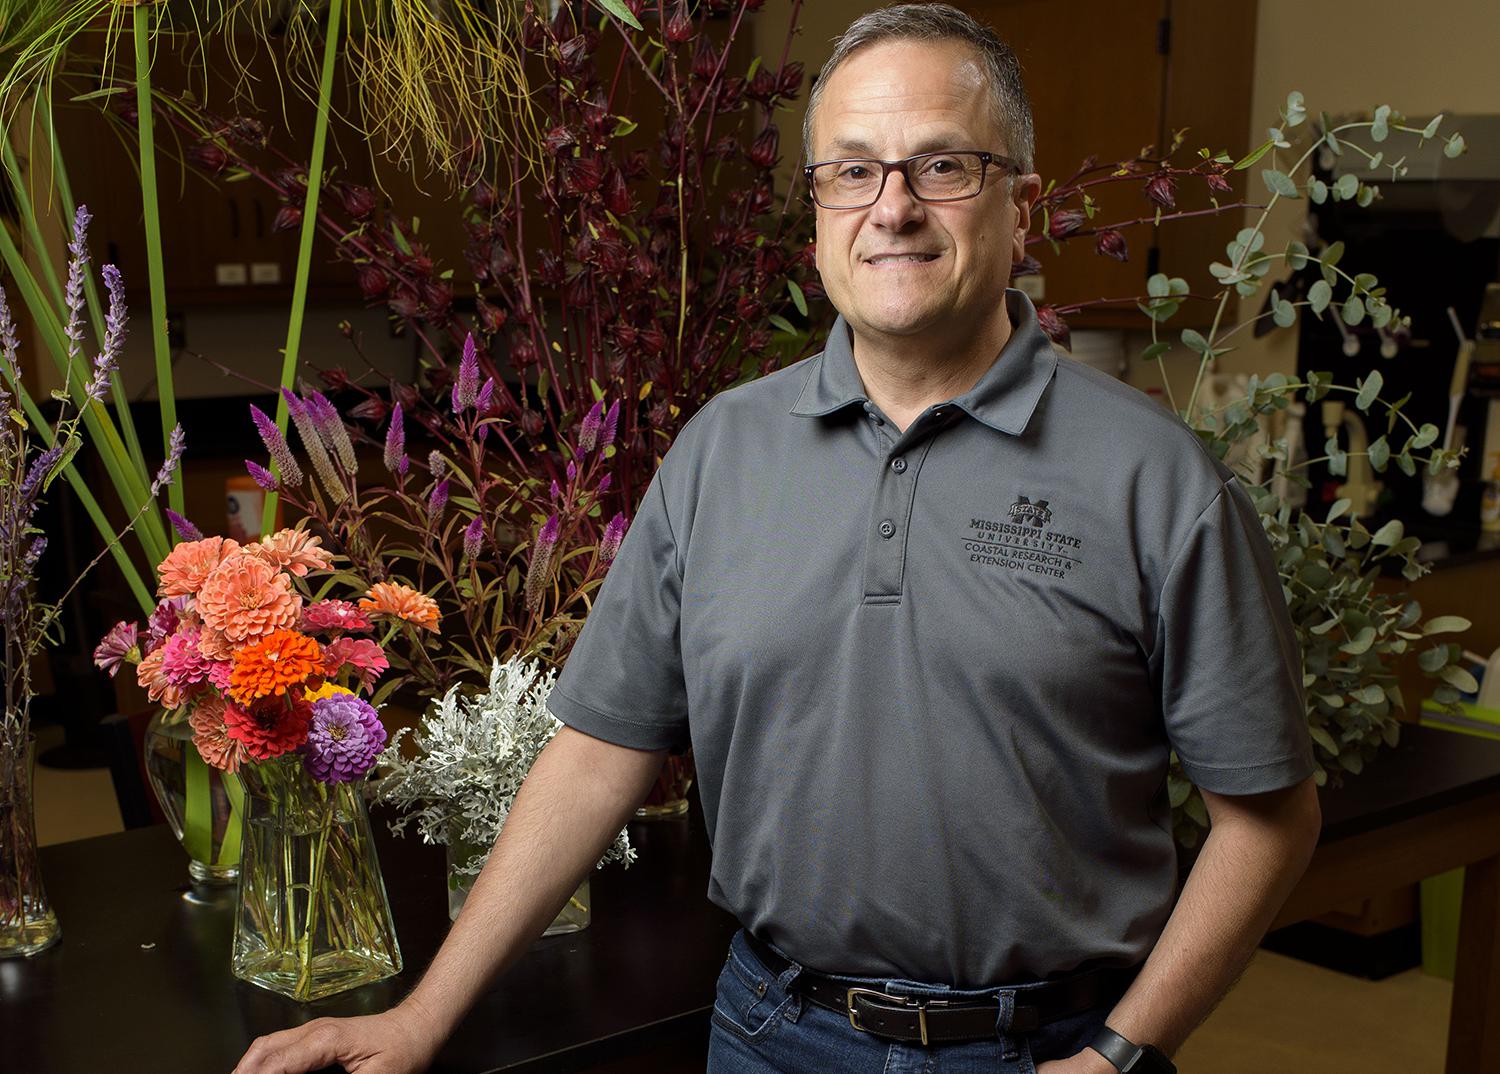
x,y
589,434
395,439
556,491
436,463
312,443
185,529
276,445
404,465
473,537
486,396
614,533
175,443
261,476
572,471
467,385
438,499
331,428
611,423
541,562
605,482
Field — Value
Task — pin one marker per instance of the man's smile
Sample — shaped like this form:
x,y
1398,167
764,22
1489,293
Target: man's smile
x,y
884,260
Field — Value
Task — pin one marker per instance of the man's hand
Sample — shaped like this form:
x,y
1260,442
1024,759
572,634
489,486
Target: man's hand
x,y
1087,1061
399,1041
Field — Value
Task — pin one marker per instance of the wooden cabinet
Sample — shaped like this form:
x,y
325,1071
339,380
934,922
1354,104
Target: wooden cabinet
x,y
1108,77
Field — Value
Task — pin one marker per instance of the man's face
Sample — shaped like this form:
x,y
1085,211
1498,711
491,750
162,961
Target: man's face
x,y
890,101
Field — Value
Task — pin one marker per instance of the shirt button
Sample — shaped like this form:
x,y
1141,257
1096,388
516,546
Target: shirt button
x,y
887,528
899,465
939,412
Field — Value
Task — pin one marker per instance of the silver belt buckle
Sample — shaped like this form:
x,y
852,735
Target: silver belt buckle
x,y
920,1002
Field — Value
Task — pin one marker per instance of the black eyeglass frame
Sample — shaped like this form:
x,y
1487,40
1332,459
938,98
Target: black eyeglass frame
x,y
986,159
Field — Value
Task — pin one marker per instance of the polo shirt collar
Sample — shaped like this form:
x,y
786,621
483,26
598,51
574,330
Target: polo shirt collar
x,y
1004,397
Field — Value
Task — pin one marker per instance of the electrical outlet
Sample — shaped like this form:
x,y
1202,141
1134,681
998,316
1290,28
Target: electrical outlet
x,y
262,272
230,274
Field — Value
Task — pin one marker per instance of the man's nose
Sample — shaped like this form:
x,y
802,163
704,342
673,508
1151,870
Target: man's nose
x,y
896,207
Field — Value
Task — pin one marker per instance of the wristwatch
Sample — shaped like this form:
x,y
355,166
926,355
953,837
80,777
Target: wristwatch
x,y
1134,1058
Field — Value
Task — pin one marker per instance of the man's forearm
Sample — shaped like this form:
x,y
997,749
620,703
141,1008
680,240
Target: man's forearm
x,y
577,797
1244,873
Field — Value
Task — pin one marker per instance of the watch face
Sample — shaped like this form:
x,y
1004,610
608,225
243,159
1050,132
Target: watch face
x,y
1153,1061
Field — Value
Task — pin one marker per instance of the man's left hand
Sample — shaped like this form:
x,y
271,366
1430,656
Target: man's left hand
x,y
1087,1061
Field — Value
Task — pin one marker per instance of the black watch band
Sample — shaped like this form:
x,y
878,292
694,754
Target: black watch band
x,y
1129,1057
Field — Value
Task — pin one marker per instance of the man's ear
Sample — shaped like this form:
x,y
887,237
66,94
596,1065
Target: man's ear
x,y
1024,192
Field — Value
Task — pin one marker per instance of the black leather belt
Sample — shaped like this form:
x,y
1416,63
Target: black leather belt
x,y
930,1019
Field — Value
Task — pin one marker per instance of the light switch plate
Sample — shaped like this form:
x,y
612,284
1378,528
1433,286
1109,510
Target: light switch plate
x,y
229,274
265,272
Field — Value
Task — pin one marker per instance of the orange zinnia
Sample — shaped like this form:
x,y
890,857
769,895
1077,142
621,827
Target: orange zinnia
x,y
268,667
402,602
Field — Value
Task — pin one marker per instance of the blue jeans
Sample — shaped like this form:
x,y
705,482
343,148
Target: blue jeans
x,y
759,1026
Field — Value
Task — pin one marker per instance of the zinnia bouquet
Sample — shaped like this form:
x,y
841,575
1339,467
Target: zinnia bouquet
x,y
270,672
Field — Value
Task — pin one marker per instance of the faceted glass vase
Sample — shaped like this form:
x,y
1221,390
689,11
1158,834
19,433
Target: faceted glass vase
x,y
313,918
571,918
201,803
27,923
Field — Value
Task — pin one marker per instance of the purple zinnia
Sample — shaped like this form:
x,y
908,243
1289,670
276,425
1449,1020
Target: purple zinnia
x,y
345,738
119,645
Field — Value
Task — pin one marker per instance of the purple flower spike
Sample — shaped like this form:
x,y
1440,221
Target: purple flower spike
x,y
466,387
605,482
78,259
614,533
10,340
185,529
474,538
345,738
276,445
175,443
541,562
395,440
404,465
486,396
331,428
438,499
556,491
114,334
436,463
572,471
589,434
261,476
611,423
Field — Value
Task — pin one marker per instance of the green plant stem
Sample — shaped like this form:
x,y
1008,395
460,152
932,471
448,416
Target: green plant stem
x,y
309,229
156,278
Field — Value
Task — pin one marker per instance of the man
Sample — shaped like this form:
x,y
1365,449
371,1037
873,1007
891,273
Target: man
x,y
932,608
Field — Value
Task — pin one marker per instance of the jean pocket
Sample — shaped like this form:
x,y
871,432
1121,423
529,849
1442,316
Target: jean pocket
x,y
747,1002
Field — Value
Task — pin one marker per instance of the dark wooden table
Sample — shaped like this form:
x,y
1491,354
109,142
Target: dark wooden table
x,y
1428,805
141,980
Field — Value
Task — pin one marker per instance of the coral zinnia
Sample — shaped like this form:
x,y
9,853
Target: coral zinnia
x,y
268,667
158,687
245,598
189,564
292,550
211,735
344,739
402,602
335,615
270,728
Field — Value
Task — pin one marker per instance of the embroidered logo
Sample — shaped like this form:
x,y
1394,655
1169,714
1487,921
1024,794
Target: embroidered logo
x,y
1035,515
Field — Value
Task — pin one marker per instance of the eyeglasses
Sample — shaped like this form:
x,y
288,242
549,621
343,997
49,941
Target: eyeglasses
x,y
857,183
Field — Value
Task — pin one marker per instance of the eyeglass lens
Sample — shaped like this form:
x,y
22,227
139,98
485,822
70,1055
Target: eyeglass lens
x,y
939,176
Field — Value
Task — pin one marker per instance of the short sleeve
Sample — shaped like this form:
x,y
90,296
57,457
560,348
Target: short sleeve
x,y
1227,660
623,682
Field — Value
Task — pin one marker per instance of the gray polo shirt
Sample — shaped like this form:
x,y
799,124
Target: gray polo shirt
x,y
931,679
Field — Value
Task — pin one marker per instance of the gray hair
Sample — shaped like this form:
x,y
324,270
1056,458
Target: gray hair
x,y
940,22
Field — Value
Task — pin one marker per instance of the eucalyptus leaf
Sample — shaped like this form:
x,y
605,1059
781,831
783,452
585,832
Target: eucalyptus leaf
x,y
1353,310
1296,255
1279,183
1346,187
1318,296
1369,389
1446,624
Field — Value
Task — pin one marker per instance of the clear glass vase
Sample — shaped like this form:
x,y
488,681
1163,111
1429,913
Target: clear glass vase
x,y
201,803
571,918
313,918
668,795
27,923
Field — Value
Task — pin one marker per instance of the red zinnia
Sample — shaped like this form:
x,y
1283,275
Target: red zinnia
x,y
269,729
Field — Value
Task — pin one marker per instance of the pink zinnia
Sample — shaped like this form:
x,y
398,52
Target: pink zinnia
x,y
189,564
164,620
335,615
181,662
118,646
366,658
